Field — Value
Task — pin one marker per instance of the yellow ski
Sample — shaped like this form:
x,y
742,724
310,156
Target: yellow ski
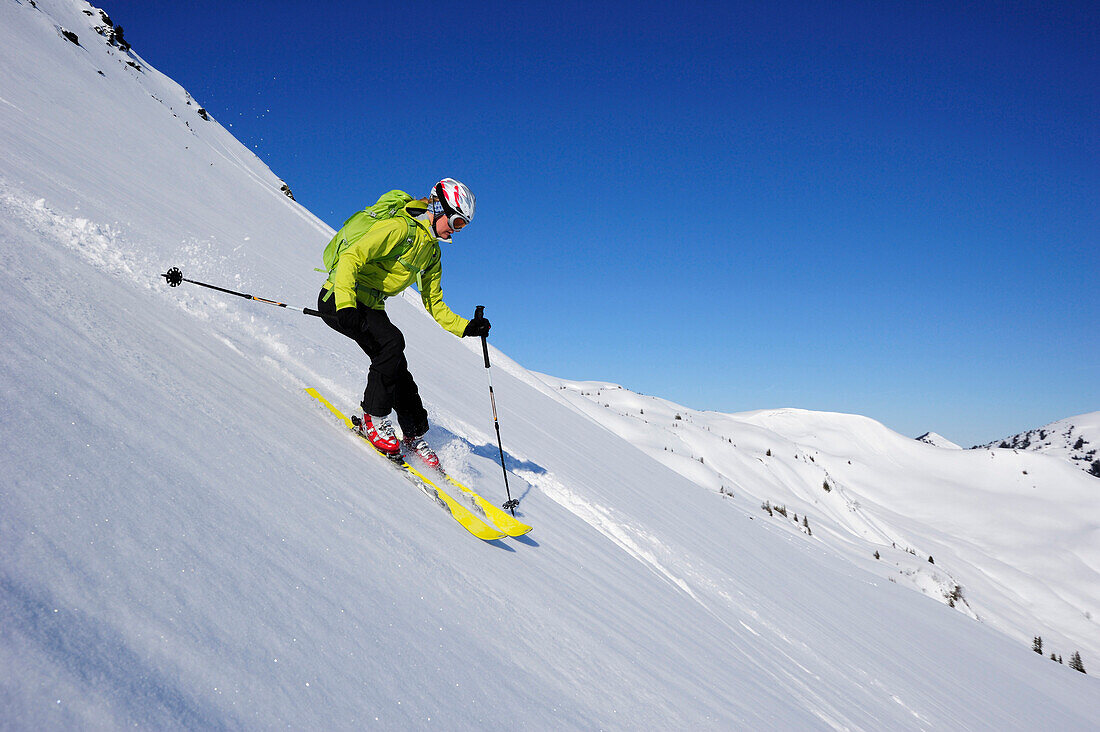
x,y
507,523
459,512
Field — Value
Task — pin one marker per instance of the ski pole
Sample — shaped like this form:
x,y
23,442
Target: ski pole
x,y
174,277
511,503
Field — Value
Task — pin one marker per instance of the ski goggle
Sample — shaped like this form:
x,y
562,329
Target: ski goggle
x,y
456,220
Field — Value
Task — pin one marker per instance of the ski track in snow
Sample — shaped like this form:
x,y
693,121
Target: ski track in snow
x,y
642,546
645,548
109,249
626,537
101,245
5,101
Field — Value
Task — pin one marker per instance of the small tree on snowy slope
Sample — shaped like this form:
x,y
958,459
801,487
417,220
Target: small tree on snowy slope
x,y
1076,664
1037,644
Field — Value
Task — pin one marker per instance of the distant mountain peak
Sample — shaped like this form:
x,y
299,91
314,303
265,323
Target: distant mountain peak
x,y
938,440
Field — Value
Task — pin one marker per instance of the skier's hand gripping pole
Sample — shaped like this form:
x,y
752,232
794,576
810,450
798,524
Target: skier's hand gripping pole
x,y
511,503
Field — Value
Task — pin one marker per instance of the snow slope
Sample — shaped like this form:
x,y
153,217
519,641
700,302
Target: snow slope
x,y
188,540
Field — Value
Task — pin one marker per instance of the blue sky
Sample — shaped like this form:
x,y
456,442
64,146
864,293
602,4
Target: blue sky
x,y
880,208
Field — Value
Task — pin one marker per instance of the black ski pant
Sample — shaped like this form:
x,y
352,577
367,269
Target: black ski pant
x,y
390,385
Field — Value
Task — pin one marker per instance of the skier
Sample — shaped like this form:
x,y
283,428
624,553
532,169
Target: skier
x,y
383,261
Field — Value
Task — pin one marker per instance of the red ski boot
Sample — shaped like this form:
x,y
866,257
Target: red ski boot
x,y
419,447
379,432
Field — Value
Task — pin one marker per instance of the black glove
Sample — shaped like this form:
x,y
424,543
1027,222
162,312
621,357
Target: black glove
x,y
348,319
479,326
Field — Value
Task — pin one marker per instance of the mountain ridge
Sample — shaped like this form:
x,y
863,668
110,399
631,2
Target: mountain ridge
x,y
1076,439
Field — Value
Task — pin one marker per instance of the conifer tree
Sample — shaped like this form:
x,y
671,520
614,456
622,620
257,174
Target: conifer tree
x,y
1076,664
1037,644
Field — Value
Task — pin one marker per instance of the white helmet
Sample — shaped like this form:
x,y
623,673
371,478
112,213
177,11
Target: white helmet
x,y
455,202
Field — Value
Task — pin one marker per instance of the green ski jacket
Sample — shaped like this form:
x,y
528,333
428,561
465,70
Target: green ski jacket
x,y
386,260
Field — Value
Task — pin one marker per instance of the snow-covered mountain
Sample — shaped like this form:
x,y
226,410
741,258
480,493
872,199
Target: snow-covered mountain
x,y
961,526
938,440
188,540
1076,439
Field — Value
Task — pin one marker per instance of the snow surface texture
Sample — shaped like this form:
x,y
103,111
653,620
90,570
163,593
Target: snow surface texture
x,y
1075,438
188,540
